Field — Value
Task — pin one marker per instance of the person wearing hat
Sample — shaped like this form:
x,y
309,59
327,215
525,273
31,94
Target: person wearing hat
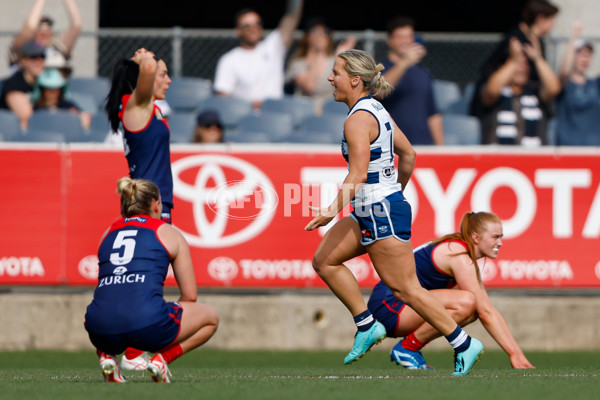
x,y
209,128
38,27
578,105
49,94
17,89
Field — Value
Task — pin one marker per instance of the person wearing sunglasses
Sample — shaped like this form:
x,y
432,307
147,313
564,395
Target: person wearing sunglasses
x,y
254,70
17,89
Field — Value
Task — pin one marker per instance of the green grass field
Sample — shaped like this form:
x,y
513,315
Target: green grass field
x,y
299,375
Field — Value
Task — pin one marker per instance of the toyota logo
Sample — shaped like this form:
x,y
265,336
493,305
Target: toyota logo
x,y
487,269
251,199
222,269
88,267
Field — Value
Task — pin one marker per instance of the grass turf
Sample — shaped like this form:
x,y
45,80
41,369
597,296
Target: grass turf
x,y
299,375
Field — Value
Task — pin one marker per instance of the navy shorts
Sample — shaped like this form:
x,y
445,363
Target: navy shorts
x,y
385,308
390,217
152,338
166,213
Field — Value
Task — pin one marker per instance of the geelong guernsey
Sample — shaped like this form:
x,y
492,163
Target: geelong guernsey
x,y
381,174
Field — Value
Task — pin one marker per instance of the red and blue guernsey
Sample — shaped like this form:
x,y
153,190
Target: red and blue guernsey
x,y
148,152
430,276
133,267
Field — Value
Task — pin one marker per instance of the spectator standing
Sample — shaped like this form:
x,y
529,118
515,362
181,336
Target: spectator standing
x,y
412,104
513,103
578,105
17,89
38,27
537,20
311,64
254,71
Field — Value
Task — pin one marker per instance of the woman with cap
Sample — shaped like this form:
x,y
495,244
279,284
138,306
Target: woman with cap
x,y
49,94
209,128
17,89
380,224
38,28
310,65
578,105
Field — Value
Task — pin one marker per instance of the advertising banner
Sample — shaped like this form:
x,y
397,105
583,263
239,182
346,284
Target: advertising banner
x,y
243,211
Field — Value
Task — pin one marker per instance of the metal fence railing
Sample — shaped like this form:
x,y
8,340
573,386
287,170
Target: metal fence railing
x,y
194,52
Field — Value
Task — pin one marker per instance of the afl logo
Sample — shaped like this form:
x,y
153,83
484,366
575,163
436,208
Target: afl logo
x,y
88,267
359,268
226,210
222,269
119,270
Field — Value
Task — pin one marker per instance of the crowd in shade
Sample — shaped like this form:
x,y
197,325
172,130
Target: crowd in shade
x,y
517,98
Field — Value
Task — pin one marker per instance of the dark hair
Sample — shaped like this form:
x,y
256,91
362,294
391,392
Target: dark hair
x,y
124,80
471,222
302,48
400,22
243,12
46,20
535,8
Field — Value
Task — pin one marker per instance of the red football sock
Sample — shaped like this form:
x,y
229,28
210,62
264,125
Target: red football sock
x,y
172,353
132,353
412,343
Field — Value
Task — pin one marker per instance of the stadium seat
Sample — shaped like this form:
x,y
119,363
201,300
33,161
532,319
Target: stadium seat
x,y
98,87
314,137
468,91
84,101
551,132
277,126
445,93
461,130
335,107
187,93
298,107
63,121
327,122
43,136
460,106
99,128
10,127
182,126
230,109
242,136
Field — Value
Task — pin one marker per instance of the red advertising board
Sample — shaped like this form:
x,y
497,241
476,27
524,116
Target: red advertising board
x,y
243,210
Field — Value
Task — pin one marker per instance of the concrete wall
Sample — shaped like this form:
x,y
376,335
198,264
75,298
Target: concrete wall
x,y
45,319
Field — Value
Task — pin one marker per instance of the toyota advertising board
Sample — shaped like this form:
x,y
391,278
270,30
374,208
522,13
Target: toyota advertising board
x,y
243,210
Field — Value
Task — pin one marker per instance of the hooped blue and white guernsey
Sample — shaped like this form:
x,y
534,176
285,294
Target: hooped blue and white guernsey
x,y
382,177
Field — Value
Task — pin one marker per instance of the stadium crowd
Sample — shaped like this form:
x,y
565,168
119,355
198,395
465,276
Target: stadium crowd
x,y
282,94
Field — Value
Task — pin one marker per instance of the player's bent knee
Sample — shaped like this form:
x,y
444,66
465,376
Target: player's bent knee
x,y
466,304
